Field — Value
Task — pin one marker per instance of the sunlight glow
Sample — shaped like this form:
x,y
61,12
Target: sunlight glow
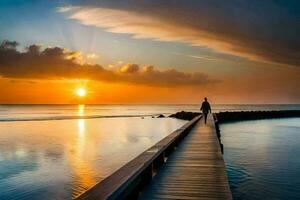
x,y
81,92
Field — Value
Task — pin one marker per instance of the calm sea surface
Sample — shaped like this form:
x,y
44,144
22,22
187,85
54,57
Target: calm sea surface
x,y
262,158
59,151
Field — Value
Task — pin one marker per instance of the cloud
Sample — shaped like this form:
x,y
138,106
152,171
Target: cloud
x,y
130,69
92,56
59,63
65,8
264,31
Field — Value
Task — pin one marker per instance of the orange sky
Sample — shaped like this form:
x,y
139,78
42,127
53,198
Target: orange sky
x,y
251,89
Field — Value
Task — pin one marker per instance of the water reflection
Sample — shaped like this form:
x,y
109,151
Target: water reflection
x,y
61,159
81,109
83,173
263,162
81,128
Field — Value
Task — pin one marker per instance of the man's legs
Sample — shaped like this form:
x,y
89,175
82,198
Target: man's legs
x,y
205,117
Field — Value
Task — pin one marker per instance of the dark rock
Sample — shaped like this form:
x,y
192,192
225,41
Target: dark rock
x,y
160,116
185,115
253,115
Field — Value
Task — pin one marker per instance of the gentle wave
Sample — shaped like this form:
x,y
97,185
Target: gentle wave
x,y
72,117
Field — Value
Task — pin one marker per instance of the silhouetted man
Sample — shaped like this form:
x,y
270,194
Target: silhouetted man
x,y
205,108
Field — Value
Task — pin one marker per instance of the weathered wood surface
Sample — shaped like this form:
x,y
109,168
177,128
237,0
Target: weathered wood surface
x,y
196,170
126,182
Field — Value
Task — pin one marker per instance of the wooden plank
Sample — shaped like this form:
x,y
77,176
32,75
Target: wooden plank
x,y
126,182
196,170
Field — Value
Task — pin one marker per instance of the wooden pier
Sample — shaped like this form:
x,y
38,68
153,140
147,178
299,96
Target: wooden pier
x,y
194,169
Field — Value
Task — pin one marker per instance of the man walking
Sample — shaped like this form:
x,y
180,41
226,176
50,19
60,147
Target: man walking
x,y
205,108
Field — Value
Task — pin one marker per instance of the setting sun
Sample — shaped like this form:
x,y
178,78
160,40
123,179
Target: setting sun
x,y
81,92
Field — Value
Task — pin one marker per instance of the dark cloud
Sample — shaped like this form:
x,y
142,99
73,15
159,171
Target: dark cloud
x,y
9,44
260,30
58,63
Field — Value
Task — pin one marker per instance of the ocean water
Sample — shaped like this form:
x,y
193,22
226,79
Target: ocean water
x,y
262,158
60,159
59,112
59,151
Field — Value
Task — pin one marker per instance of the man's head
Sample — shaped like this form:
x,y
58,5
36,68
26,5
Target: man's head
x,y
205,99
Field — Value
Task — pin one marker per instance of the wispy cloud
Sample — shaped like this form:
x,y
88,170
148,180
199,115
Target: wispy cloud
x,y
237,27
66,8
92,56
219,57
202,57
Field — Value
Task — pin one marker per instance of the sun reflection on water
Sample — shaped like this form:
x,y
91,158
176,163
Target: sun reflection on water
x,y
81,128
81,110
84,174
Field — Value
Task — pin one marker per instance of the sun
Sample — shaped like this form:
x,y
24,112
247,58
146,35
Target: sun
x,y
81,92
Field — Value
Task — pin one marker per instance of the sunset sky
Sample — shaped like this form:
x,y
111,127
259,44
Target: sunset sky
x,y
150,51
